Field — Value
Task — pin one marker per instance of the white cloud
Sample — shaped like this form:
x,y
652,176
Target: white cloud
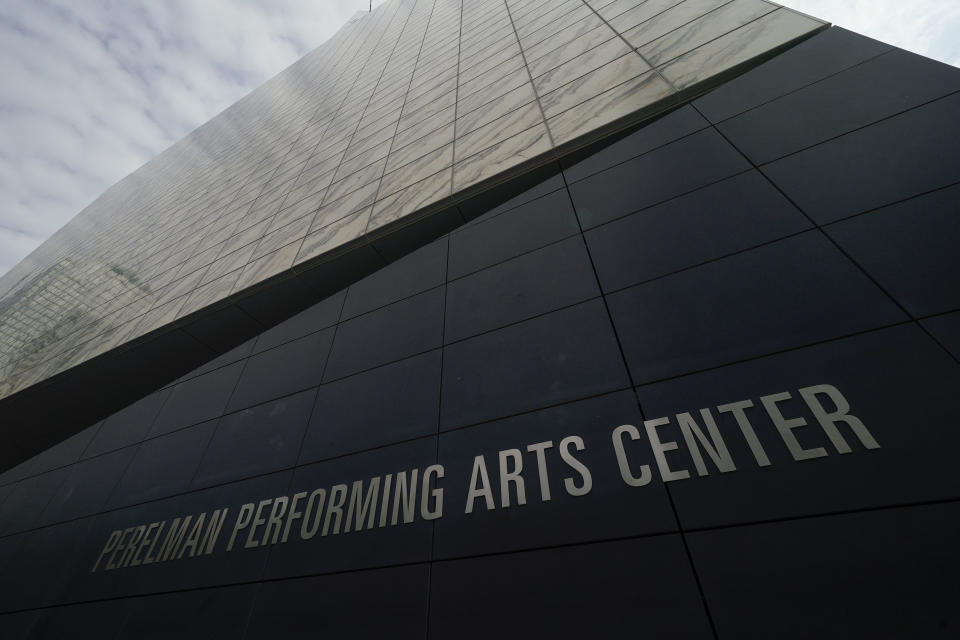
x,y
91,90
928,27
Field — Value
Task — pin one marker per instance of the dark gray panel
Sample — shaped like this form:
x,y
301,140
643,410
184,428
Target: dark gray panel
x,y
391,333
19,625
877,89
667,172
197,399
366,549
289,368
824,54
550,278
910,249
382,603
668,128
732,215
208,613
527,227
237,353
550,515
28,498
163,466
319,316
480,204
67,452
260,439
897,382
219,568
396,402
886,162
946,329
603,590
782,295
887,574
423,269
18,472
128,426
556,358
88,486
93,620
34,576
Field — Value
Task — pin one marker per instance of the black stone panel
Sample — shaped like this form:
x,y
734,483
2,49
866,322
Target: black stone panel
x,y
390,333
18,472
163,466
389,404
481,212
256,440
879,88
287,369
782,295
527,227
28,498
825,54
401,543
550,514
67,452
892,160
732,215
203,614
80,584
667,172
92,620
19,625
885,574
320,316
646,585
897,382
556,276
562,356
380,603
237,353
423,269
129,425
197,399
666,129
87,487
910,249
34,576
946,329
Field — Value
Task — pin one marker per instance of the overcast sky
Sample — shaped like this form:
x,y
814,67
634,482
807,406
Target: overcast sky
x,y
92,89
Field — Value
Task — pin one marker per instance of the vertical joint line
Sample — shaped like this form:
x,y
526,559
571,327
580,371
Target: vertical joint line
x,y
631,47
536,94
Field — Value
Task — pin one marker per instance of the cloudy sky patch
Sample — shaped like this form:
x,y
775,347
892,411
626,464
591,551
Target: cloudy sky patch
x,y
92,89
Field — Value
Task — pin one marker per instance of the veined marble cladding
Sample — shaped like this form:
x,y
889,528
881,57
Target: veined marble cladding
x,y
415,104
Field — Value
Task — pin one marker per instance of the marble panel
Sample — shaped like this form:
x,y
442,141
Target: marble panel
x,y
587,86
414,171
747,42
499,106
709,27
412,198
584,63
500,157
498,130
333,236
631,96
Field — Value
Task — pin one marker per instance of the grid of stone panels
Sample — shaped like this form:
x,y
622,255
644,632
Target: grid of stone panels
x,y
743,268
403,108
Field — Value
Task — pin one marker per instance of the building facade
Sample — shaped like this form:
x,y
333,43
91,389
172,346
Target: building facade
x,y
690,369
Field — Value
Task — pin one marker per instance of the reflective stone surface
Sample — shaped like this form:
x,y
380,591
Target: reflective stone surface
x,y
403,109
